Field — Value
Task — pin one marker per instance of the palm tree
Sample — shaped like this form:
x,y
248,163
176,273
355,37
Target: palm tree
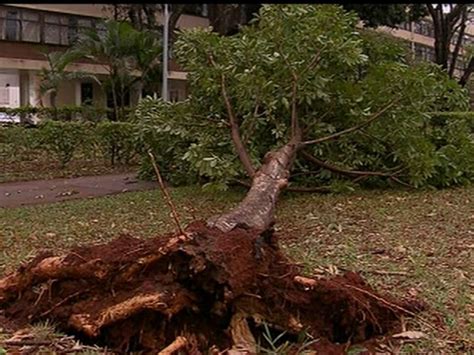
x,y
123,50
51,78
147,57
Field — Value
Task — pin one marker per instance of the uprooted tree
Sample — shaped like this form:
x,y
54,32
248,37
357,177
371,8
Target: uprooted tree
x,y
354,107
220,284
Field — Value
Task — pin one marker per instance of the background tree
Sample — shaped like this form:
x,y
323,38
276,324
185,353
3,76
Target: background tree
x,y
52,77
392,15
128,54
449,23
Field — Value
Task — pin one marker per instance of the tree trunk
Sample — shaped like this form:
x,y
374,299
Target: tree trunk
x,y
257,209
467,73
114,97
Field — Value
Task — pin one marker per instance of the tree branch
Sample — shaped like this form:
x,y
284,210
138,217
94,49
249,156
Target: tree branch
x,y
453,16
314,62
432,11
176,12
338,170
295,125
322,189
467,73
308,128
236,138
457,48
354,128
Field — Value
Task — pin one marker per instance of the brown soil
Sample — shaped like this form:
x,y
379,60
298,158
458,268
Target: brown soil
x,y
208,286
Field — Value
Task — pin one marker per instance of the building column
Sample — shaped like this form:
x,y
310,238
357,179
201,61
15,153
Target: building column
x,y
78,97
34,97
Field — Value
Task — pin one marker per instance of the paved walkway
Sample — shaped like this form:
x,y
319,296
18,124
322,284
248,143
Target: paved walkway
x,y
15,194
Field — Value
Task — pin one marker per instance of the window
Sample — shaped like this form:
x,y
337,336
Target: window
x,y
72,30
87,93
30,26
5,95
56,29
12,28
41,27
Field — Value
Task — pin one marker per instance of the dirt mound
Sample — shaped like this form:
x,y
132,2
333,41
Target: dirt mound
x,y
212,288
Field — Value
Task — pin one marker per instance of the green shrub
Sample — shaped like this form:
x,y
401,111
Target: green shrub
x,y
116,141
63,138
161,128
452,134
65,113
17,140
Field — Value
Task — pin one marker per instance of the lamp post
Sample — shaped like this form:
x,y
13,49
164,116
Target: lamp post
x,y
164,88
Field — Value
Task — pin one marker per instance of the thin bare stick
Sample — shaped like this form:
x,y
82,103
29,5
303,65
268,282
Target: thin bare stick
x,y
295,126
382,272
177,344
336,169
354,128
27,342
168,199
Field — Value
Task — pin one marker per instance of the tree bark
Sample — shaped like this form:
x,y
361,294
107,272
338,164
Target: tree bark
x,y
444,30
459,40
257,209
467,73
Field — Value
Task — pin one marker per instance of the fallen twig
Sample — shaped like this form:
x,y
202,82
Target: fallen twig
x,y
27,342
381,272
166,193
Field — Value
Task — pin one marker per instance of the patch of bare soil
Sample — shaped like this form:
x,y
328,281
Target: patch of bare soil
x,y
202,290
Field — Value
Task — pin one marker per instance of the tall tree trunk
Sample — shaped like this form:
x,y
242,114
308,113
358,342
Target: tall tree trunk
x,y
53,104
114,97
467,73
257,209
445,25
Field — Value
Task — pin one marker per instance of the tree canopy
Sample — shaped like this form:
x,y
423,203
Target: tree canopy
x,y
362,110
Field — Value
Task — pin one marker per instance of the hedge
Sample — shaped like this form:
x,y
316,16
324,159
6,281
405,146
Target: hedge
x,y
64,113
115,141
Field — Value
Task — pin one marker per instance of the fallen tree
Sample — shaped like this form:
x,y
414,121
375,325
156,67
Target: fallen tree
x,y
221,284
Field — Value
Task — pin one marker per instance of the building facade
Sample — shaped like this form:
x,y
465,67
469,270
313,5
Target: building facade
x,y
420,35
29,30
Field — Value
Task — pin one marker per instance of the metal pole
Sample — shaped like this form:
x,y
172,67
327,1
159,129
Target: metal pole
x,y
164,88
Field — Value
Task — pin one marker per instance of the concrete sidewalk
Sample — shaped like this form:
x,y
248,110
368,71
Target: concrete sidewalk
x,y
16,194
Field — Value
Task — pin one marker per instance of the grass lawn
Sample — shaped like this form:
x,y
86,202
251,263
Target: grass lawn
x,y
406,243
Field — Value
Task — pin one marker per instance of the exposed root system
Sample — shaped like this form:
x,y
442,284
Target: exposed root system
x,y
205,289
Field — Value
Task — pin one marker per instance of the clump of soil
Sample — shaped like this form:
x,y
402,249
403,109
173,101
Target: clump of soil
x,y
215,289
